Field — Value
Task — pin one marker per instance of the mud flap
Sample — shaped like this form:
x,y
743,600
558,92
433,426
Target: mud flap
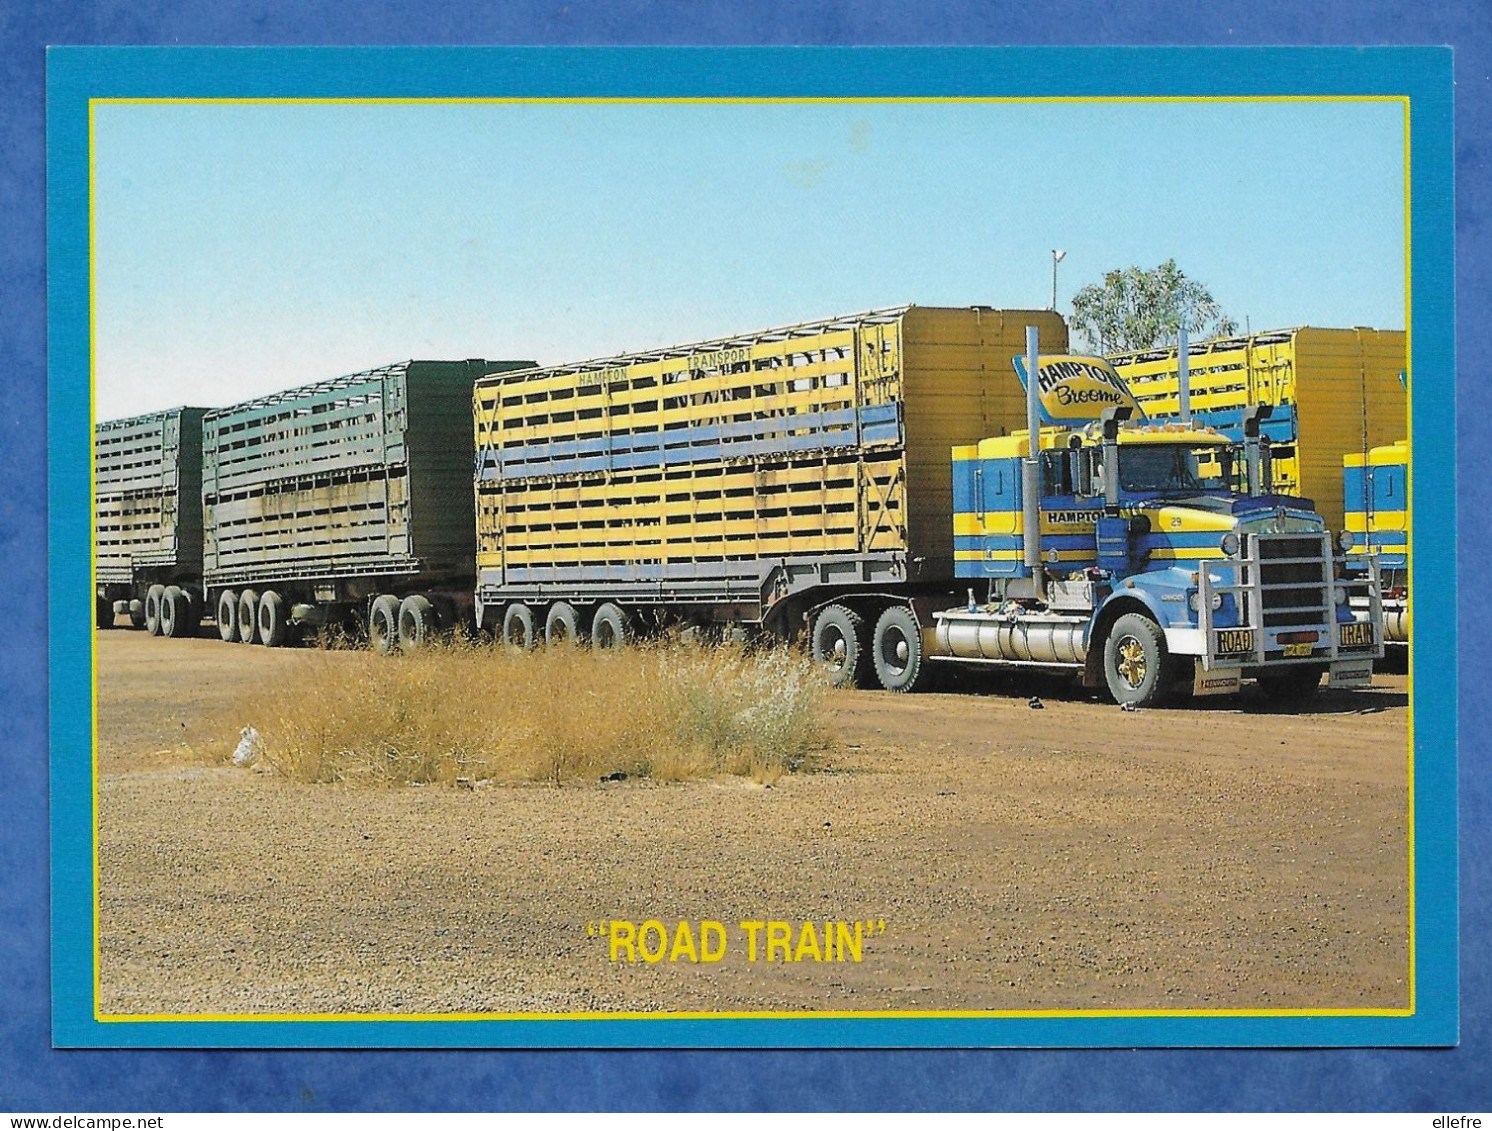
x,y
1218,681
1351,673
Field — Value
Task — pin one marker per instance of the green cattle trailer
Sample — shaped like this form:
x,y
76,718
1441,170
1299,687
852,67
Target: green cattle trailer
x,y
347,501
147,489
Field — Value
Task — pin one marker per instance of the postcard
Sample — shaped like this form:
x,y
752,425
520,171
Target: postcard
x,y
755,547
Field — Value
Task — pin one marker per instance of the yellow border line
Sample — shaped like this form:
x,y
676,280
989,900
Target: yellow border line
x,y
93,550
835,1014
733,100
1409,519
997,1014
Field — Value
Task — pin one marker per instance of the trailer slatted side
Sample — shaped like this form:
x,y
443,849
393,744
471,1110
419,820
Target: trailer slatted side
x,y
147,494
696,466
364,474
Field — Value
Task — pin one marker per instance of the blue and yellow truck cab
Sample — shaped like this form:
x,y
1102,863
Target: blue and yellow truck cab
x,y
1149,556
1375,498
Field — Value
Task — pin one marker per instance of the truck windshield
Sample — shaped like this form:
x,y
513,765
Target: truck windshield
x,y
1171,467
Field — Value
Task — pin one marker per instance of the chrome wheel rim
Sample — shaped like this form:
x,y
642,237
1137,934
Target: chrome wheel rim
x,y
1132,663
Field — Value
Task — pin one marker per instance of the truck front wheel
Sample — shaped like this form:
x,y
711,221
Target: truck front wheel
x,y
1136,665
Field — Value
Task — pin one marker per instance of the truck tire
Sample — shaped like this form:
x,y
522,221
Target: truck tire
x,y
137,612
562,625
611,627
1136,665
417,622
1291,686
176,614
840,646
228,616
273,626
383,624
896,649
153,597
103,612
248,617
518,627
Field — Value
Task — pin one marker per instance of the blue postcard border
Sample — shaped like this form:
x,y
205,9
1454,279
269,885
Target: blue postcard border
x,y
76,75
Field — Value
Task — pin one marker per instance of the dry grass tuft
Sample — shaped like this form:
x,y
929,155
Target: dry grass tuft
x,y
668,712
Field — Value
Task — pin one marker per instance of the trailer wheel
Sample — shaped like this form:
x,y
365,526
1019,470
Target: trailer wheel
x,y
1291,686
896,649
1136,665
103,612
416,622
248,617
175,613
273,628
562,625
153,597
839,645
137,612
228,616
611,627
518,627
383,624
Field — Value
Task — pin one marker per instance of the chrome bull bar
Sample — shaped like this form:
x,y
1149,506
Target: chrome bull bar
x,y
1263,602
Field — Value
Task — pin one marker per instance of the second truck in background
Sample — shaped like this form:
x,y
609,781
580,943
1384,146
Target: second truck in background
x,y
1337,395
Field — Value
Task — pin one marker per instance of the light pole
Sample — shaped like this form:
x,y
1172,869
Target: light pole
x,y
1057,257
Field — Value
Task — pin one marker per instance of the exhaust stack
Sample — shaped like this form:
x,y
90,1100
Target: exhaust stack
x,y
1030,469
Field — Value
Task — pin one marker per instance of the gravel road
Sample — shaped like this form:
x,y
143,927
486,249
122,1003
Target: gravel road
x,y
1074,857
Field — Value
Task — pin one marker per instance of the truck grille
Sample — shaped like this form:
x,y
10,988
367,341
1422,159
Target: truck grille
x,y
1293,579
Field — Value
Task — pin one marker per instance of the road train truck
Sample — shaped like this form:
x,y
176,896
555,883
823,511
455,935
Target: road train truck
x,y
871,477
1375,490
343,502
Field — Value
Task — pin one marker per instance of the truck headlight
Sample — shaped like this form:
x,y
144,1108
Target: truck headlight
x,y
1229,544
1345,541
1196,602
1341,595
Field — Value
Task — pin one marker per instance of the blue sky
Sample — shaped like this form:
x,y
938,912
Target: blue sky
x,y
247,248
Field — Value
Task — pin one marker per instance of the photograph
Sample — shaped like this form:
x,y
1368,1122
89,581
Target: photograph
x,y
841,569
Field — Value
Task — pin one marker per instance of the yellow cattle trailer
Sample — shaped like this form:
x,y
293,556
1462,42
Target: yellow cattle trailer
x,y
736,479
1333,391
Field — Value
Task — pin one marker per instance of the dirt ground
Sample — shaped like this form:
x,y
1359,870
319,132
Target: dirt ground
x,y
1072,857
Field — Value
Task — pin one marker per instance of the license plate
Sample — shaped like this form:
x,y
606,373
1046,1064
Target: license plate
x,y
1295,651
1233,641
1357,634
